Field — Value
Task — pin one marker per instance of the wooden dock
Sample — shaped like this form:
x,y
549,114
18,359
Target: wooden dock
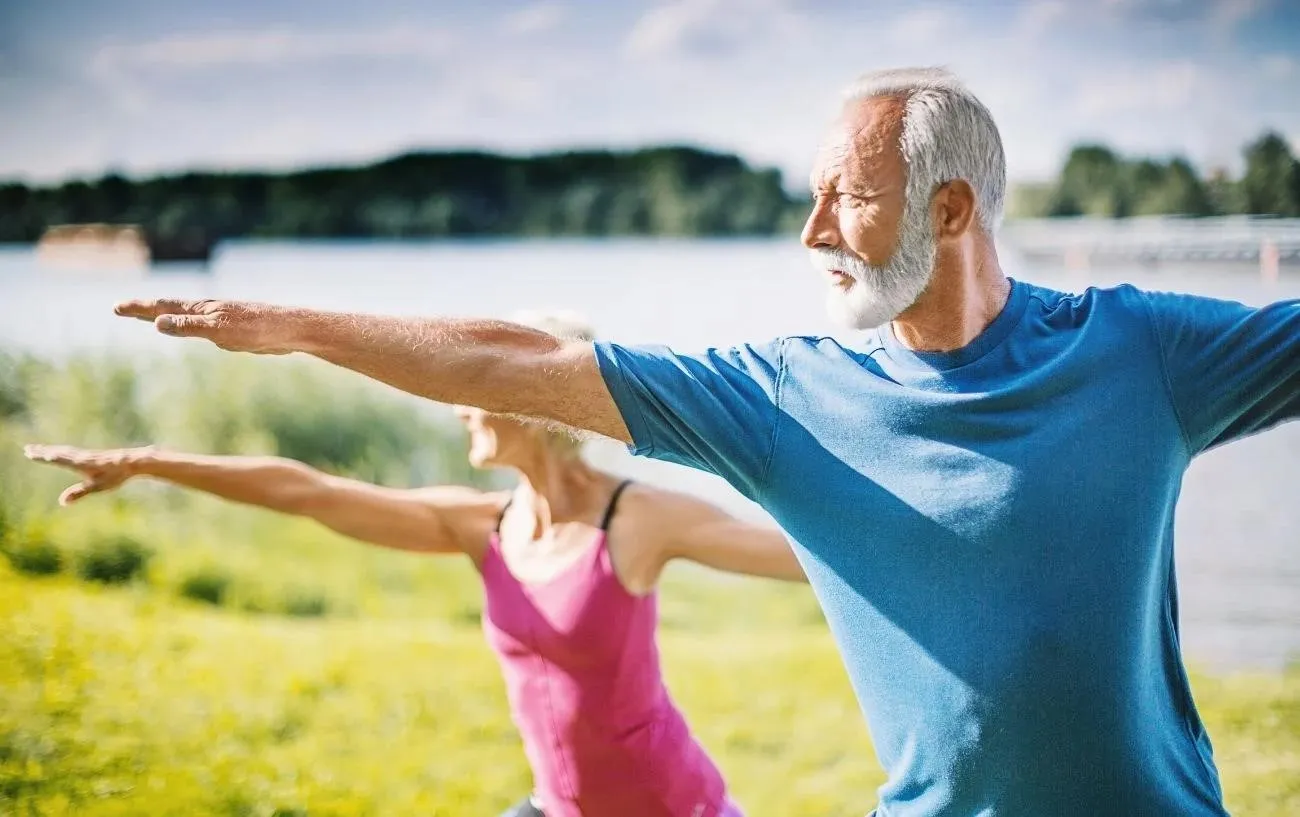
x,y
118,246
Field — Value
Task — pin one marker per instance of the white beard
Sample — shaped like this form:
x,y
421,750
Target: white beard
x,y
879,294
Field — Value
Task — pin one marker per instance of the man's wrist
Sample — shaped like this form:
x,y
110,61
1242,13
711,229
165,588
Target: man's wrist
x,y
140,461
304,330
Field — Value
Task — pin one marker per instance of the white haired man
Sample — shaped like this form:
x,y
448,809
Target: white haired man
x,y
981,491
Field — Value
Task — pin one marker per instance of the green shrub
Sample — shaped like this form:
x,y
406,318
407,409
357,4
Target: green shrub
x,y
33,553
208,585
253,604
112,559
470,615
17,373
303,603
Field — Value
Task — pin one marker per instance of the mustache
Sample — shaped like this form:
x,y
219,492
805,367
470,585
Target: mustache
x,y
830,259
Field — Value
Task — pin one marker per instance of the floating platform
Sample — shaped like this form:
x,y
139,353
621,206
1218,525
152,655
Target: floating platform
x,y
118,247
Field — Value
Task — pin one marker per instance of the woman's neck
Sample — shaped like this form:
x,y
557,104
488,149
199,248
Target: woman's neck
x,y
559,487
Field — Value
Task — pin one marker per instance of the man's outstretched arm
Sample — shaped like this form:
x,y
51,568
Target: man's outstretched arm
x,y
497,366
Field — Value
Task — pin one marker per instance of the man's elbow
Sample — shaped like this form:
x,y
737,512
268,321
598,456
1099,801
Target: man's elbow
x,y
307,492
516,376
558,383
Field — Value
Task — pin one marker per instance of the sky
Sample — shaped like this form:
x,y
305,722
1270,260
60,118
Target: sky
x,y
141,86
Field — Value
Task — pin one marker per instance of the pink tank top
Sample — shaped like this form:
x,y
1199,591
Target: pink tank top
x,y
581,665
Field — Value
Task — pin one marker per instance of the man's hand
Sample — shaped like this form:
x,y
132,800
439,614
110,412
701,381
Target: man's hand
x,y
237,326
101,470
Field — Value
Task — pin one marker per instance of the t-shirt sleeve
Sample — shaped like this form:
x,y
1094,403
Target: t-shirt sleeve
x,y
1233,369
715,411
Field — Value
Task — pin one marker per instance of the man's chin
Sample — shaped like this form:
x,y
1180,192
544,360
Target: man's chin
x,y
847,314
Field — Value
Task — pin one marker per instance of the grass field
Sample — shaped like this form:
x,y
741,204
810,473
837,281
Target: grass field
x,y
165,654
119,701
125,701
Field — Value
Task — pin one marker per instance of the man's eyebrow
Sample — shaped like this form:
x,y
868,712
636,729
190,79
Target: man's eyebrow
x,y
827,182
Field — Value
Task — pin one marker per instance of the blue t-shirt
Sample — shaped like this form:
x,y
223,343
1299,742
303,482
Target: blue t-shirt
x,y
990,531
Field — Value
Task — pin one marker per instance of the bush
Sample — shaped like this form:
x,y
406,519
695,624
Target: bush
x,y
305,604
207,585
113,559
33,554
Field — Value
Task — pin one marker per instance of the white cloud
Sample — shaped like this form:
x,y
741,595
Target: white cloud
x,y
1217,12
695,28
668,28
1218,17
754,76
1230,13
1278,66
517,91
273,47
1037,17
536,19
132,74
921,26
1141,89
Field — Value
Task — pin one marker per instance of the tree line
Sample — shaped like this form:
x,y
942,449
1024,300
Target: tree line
x,y
1096,181
666,191
669,191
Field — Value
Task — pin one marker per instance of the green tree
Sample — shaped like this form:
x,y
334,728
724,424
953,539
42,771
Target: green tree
x,y
1172,189
1093,183
1271,184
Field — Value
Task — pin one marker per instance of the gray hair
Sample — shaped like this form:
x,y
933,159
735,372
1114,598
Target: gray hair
x,y
947,134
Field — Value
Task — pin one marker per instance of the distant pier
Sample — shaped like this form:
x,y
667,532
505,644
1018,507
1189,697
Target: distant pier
x,y
1079,243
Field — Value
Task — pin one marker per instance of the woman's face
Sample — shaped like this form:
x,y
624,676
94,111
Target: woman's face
x,y
495,439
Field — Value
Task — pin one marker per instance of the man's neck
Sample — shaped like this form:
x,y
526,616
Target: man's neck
x,y
967,294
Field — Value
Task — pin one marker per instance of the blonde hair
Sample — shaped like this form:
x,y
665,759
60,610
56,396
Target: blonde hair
x,y
565,325
562,324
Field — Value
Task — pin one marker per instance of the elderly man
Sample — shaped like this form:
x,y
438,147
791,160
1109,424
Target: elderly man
x,y
981,491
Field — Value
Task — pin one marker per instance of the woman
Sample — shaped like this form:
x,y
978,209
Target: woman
x,y
570,561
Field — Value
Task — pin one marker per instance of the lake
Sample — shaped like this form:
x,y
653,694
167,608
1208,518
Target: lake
x,y
1238,524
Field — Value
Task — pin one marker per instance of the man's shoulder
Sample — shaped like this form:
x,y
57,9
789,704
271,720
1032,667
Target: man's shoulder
x,y
1122,293
829,345
771,348
1110,303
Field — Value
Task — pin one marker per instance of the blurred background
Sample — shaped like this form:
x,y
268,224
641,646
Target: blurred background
x,y
641,163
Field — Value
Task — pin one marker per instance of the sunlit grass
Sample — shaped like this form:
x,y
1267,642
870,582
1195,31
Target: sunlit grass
x,y
117,701
121,702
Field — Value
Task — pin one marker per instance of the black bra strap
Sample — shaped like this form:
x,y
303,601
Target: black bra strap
x,y
613,501
501,517
604,523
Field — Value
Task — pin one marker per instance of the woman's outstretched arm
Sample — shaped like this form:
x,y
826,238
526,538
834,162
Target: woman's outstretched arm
x,y
444,519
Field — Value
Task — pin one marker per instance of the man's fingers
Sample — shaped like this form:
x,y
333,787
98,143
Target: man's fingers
x,y
38,453
150,309
174,317
187,326
56,454
78,491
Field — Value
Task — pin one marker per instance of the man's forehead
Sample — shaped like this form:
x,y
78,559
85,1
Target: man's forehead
x,y
864,138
